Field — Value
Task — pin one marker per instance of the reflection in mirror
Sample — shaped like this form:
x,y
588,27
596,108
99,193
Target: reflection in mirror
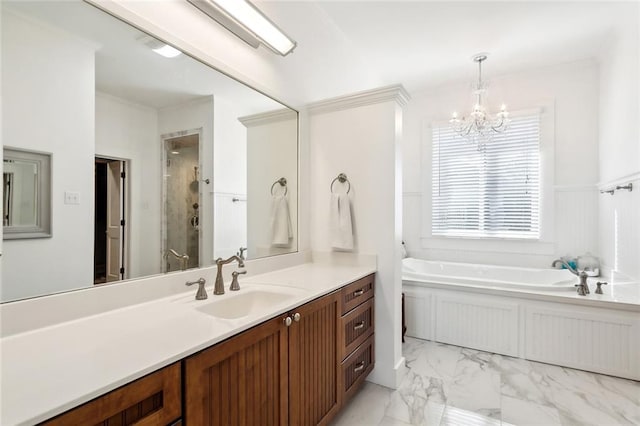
x,y
26,182
161,162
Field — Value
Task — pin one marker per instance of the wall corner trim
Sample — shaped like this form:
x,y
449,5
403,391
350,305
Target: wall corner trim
x,y
268,117
395,93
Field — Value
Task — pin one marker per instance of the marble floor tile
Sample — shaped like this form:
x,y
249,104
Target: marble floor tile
x,y
366,408
449,385
458,417
430,358
526,413
419,400
476,382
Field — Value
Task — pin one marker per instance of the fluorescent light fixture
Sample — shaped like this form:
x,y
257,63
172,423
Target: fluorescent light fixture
x,y
243,19
167,51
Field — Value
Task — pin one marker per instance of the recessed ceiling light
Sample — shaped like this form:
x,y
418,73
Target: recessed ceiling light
x,y
175,152
158,46
167,51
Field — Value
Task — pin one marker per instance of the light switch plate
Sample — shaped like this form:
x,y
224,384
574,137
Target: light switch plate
x,y
71,197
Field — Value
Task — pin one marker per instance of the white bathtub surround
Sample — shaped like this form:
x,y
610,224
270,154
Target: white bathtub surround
x,y
596,332
77,351
449,385
488,275
340,222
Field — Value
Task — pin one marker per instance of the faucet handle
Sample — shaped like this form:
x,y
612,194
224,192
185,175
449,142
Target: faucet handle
x,y
599,284
235,285
201,294
240,254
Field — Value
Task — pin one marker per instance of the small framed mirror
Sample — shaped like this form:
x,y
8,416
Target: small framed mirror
x,y
26,194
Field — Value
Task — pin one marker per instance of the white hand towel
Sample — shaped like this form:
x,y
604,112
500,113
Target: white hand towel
x,y
281,230
341,231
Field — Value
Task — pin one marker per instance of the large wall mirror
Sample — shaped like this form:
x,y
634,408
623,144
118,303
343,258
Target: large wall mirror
x,y
157,161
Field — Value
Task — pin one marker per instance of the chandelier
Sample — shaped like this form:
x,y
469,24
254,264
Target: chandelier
x,y
480,126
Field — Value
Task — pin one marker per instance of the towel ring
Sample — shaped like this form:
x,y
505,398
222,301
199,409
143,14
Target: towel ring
x,y
283,182
342,178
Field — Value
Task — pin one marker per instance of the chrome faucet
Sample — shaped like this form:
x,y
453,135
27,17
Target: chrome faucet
x,y
183,258
566,265
219,285
583,288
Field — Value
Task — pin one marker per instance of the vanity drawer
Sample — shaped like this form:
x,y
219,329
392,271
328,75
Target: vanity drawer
x,y
356,293
152,400
356,326
356,367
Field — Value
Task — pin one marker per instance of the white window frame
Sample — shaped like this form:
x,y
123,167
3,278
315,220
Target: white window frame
x,y
545,243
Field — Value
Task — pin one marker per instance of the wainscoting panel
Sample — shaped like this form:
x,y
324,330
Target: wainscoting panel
x,y
418,314
477,322
582,340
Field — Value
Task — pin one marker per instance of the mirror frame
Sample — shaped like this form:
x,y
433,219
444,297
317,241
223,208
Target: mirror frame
x,y
42,228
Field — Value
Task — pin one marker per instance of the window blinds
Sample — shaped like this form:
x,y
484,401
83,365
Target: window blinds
x,y
493,191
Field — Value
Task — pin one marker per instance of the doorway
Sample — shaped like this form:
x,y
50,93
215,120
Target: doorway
x,y
109,221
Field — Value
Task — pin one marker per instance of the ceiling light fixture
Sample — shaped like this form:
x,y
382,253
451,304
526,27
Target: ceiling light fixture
x,y
243,19
159,47
480,126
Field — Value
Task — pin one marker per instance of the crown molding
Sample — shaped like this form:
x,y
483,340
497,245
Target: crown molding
x,y
395,93
268,117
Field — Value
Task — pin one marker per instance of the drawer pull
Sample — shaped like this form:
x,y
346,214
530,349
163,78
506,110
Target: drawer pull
x,y
358,293
359,325
359,367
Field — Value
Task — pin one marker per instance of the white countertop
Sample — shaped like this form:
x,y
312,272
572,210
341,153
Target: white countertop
x,y
47,371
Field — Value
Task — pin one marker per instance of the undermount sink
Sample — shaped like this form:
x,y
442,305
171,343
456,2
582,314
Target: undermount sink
x,y
246,302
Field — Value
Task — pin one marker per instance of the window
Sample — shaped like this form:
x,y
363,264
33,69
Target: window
x,y
489,192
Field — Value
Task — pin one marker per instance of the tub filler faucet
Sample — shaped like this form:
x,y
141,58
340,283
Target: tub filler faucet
x,y
219,285
566,265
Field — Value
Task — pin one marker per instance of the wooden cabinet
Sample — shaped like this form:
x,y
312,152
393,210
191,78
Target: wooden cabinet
x,y
297,369
313,362
152,400
242,381
356,335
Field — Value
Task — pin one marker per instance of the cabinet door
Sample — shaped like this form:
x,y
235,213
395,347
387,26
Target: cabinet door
x,y
242,381
151,400
313,362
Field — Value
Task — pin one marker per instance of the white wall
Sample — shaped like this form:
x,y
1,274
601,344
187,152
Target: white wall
x,y
271,154
569,98
362,139
48,80
619,220
230,180
128,131
197,114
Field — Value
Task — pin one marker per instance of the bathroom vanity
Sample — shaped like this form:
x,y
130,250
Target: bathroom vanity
x,y
296,363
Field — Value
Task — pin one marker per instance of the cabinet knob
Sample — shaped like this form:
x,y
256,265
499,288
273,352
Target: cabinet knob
x,y
296,317
358,293
359,325
359,367
287,321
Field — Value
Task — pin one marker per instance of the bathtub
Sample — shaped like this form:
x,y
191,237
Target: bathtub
x,y
533,314
426,271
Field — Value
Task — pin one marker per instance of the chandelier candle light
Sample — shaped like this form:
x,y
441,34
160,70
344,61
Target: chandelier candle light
x,y
480,126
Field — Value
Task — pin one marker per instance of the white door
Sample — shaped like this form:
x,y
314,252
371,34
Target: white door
x,y
114,220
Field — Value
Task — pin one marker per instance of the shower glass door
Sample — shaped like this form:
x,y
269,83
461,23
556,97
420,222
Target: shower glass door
x,y
181,238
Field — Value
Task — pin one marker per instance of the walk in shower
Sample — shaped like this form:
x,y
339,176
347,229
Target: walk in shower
x,y
181,201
